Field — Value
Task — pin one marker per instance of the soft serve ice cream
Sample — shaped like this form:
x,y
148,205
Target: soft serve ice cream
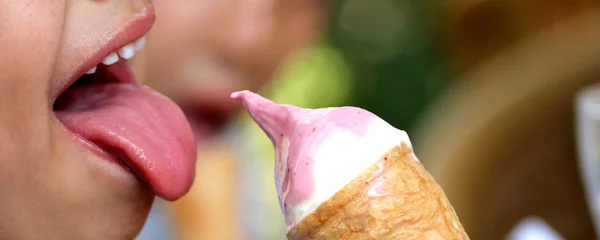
x,y
344,173
319,151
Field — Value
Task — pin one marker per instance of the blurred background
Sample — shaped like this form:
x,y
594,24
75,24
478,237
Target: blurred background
x,y
485,88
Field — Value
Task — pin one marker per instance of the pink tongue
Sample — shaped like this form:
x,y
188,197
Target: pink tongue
x,y
136,122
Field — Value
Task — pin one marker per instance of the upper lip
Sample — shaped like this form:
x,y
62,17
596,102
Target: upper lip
x,y
135,29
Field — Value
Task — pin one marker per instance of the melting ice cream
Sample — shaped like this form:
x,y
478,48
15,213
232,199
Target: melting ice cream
x,y
318,151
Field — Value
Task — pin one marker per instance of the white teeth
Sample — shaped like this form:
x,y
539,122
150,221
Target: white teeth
x,y
91,71
127,52
111,59
140,44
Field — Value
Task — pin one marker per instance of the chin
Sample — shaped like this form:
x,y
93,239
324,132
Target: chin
x,y
85,197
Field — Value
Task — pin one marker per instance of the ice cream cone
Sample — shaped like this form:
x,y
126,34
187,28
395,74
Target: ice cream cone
x,y
395,198
344,173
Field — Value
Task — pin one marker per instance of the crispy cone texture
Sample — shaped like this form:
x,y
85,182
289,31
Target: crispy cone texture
x,y
395,198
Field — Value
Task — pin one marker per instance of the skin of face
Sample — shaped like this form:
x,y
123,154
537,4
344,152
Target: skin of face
x,y
51,187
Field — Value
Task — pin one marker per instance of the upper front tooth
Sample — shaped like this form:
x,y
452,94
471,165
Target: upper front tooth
x,y
91,71
111,59
127,52
140,44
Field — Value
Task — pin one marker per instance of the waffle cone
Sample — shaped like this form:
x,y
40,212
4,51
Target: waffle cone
x,y
395,198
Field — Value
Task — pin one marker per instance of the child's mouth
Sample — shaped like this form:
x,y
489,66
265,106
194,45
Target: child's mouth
x,y
206,119
129,124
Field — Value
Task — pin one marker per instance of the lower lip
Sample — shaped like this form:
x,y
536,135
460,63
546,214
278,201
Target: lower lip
x,y
116,168
96,150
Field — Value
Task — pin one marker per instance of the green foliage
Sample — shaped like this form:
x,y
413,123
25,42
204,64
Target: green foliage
x,y
394,52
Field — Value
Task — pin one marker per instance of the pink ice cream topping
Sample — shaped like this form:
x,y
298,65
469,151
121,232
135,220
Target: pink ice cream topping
x,y
296,134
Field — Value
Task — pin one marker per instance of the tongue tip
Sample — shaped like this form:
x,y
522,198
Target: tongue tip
x,y
177,187
173,181
170,195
